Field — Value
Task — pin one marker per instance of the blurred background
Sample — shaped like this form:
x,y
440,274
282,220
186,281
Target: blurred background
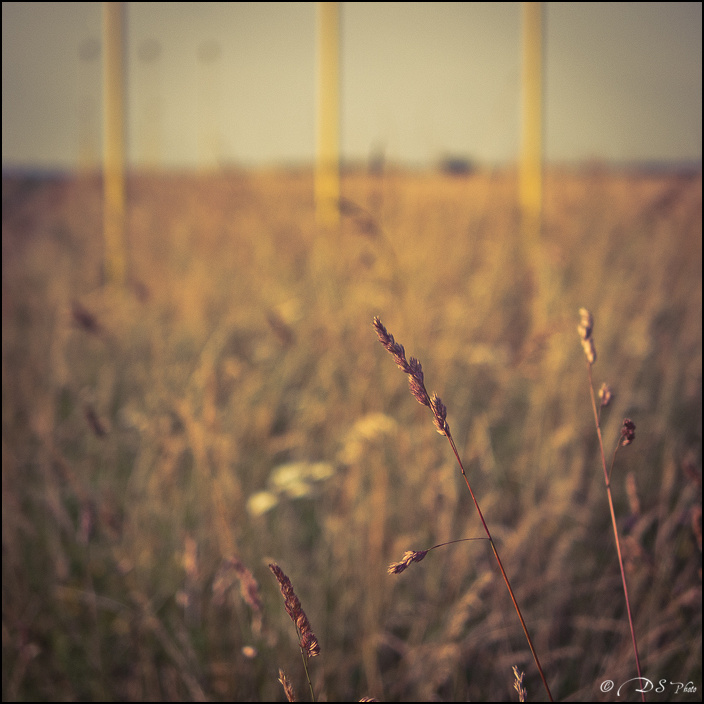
x,y
234,83
192,387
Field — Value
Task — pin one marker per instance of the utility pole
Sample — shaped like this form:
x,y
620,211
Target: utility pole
x,y
327,169
531,142
531,162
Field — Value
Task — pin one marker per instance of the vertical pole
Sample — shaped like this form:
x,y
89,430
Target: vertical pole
x,y
531,143
113,142
530,170
327,171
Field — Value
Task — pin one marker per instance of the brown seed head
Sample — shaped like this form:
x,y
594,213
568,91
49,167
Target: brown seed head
x,y
386,339
439,415
291,602
408,557
605,395
416,381
288,687
628,432
586,324
249,588
308,641
589,350
518,684
585,328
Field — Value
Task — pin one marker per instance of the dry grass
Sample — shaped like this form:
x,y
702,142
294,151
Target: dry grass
x,y
245,410
416,383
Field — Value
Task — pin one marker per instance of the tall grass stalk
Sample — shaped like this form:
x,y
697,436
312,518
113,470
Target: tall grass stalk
x,y
413,368
308,643
585,330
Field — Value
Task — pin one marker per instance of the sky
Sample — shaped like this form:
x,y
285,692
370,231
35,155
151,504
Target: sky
x,y
235,83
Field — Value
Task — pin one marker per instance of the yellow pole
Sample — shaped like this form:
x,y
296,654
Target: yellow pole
x,y
327,171
113,142
530,176
530,183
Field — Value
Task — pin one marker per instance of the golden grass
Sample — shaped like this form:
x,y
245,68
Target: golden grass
x,y
414,369
242,347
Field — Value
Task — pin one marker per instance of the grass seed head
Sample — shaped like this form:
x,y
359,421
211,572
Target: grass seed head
x,y
605,395
408,557
586,324
416,379
249,588
518,684
585,329
396,350
288,687
628,432
439,415
308,641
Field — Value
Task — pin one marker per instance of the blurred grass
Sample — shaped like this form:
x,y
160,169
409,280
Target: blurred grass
x,y
142,427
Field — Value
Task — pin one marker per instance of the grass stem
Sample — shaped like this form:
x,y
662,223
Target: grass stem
x,y
413,368
607,481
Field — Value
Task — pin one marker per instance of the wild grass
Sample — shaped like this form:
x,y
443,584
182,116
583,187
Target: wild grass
x,y
628,435
249,417
308,643
413,368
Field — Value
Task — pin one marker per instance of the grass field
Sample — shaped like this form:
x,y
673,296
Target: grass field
x,y
233,401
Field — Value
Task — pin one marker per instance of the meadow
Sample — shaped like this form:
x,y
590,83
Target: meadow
x,y
231,406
